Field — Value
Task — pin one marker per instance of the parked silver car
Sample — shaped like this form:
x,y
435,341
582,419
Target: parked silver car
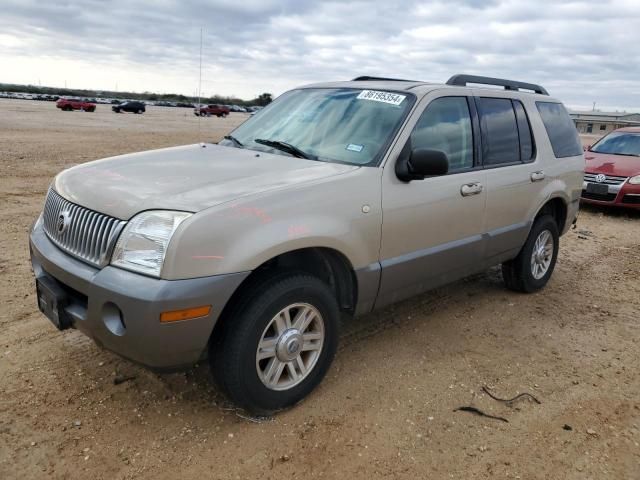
x,y
337,198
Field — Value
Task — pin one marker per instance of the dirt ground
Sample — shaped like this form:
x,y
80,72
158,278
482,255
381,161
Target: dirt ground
x,y
386,409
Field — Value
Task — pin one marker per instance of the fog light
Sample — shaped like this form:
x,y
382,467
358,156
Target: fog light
x,y
112,318
185,314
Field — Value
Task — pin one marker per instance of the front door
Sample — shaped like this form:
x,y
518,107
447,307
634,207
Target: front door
x,y
432,230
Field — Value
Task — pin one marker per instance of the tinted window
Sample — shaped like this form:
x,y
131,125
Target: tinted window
x,y
446,125
524,132
499,130
560,129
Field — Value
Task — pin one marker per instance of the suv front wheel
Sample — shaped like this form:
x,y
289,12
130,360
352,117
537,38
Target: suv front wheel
x,y
279,344
532,268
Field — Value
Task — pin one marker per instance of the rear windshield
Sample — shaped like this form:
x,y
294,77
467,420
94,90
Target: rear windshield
x,y
619,143
560,129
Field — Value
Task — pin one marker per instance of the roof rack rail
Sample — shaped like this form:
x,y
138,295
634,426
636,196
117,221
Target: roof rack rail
x,y
368,78
462,80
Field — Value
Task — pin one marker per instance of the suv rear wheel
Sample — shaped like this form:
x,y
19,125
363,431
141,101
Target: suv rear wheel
x,y
278,346
532,268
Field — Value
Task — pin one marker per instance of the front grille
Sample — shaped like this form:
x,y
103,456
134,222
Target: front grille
x,y
87,235
632,199
605,197
608,179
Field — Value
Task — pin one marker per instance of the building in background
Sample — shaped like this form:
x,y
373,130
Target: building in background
x,y
596,122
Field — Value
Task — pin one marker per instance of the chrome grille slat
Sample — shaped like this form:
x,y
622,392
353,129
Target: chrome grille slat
x,y
89,236
75,238
82,226
609,179
90,227
65,236
105,236
95,244
77,231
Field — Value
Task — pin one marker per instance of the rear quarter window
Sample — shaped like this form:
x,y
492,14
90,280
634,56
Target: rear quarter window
x,y
560,129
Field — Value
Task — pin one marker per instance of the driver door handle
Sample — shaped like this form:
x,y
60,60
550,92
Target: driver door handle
x,y
537,176
469,189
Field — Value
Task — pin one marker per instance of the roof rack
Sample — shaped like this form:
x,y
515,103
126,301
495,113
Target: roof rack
x,y
462,81
367,78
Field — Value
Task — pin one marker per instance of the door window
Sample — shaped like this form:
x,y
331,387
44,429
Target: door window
x,y
524,132
499,131
445,125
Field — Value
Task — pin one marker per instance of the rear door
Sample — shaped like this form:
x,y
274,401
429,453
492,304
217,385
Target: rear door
x,y
432,228
514,174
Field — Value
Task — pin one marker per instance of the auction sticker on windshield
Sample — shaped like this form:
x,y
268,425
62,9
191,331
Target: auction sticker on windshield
x,y
385,97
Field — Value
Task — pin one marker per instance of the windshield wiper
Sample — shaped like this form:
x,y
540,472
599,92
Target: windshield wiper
x,y
234,140
285,147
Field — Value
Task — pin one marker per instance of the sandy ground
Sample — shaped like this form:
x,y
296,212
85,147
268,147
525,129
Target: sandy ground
x,y
386,409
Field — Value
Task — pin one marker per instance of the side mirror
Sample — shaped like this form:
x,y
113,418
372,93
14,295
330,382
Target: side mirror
x,y
587,148
428,163
416,164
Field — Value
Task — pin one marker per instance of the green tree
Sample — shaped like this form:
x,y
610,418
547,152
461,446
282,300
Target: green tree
x,y
264,99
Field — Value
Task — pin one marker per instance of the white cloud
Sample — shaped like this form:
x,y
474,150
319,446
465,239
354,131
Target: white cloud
x,y
581,51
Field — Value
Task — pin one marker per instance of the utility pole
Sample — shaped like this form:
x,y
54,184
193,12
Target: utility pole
x,y
594,107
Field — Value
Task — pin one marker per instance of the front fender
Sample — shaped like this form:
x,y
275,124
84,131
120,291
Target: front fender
x,y
242,235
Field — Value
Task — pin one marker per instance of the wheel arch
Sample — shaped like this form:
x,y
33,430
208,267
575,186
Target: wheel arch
x,y
557,207
327,264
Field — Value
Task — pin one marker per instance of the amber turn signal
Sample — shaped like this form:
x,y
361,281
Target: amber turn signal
x,y
186,314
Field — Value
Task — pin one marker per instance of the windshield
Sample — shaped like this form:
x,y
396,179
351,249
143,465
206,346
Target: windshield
x,y
619,143
343,125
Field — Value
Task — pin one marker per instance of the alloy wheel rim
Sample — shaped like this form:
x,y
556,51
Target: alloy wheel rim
x,y
290,346
542,254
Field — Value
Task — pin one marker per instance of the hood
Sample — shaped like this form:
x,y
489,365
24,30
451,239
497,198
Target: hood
x,y
618,165
190,178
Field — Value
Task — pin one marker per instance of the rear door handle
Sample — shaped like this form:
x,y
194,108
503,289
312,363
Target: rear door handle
x,y
469,189
537,176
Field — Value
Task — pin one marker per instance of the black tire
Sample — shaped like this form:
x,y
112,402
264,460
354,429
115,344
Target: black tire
x,y
518,273
233,355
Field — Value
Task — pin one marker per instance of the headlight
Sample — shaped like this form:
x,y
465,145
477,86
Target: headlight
x,y
635,180
143,243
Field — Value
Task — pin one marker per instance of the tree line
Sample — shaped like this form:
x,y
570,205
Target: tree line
x,y
261,100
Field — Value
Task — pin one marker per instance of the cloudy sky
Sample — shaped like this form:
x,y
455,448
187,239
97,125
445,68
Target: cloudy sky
x,y
581,51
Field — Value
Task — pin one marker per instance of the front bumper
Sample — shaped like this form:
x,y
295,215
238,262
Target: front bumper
x,y
120,310
624,195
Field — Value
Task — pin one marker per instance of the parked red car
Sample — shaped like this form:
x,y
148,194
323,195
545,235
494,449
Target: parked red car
x,y
68,104
612,172
208,110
